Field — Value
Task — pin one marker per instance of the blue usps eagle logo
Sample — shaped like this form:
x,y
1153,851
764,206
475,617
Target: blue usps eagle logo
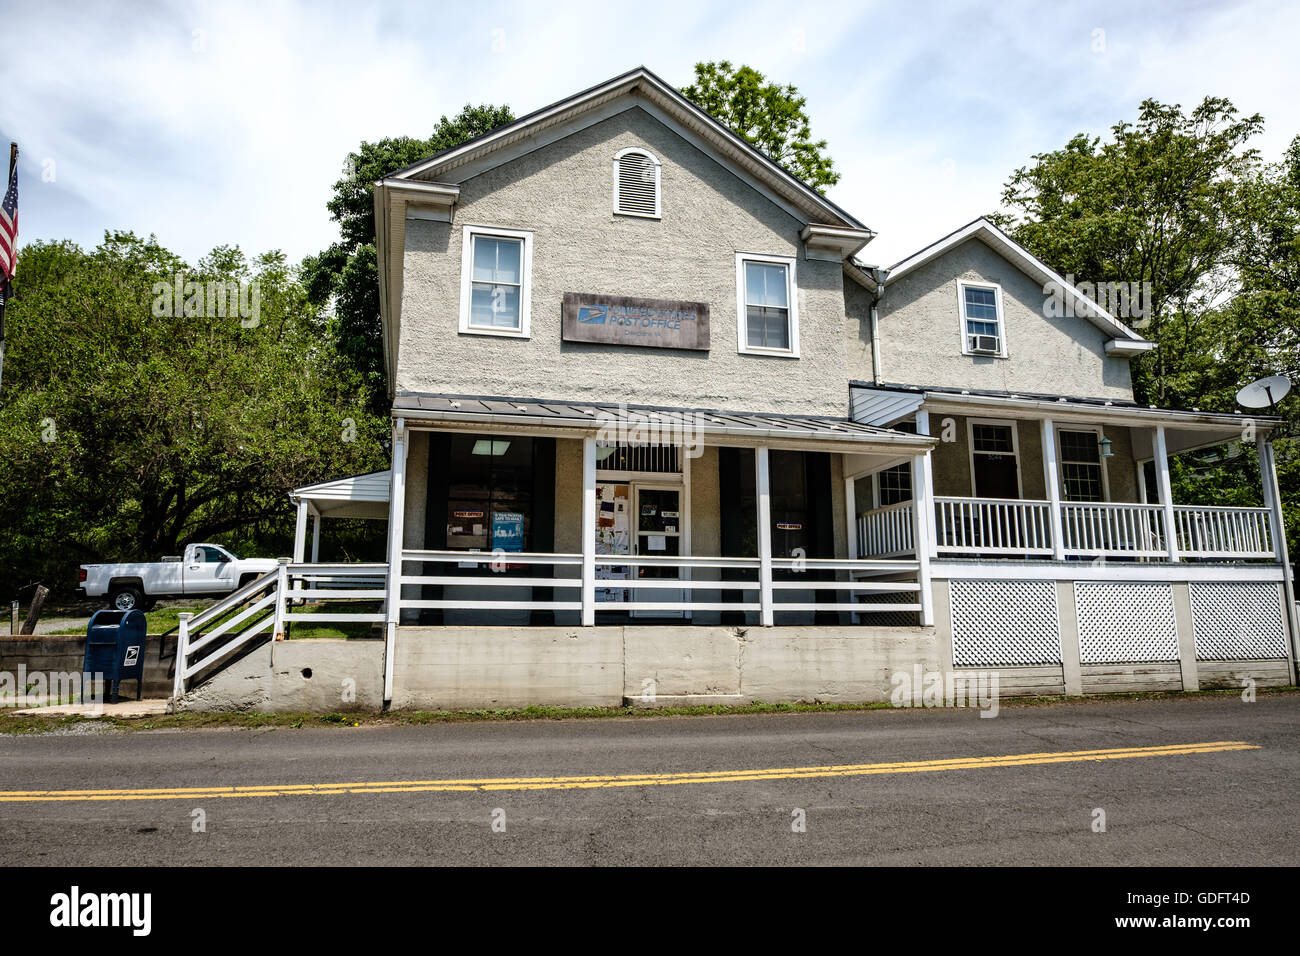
x,y
591,315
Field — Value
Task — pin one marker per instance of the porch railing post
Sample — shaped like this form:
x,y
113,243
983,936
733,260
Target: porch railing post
x,y
764,495
281,586
1052,479
589,531
1165,490
396,531
182,652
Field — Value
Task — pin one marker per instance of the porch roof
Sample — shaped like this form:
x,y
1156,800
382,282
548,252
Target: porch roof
x,y
356,496
1186,429
713,426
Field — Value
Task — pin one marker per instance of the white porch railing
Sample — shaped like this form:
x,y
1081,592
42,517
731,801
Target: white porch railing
x,y
263,608
992,526
888,532
1205,532
675,586
1121,530
1023,528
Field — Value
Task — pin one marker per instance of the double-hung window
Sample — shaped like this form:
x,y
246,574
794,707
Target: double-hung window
x,y
495,272
768,318
981,318
1082,473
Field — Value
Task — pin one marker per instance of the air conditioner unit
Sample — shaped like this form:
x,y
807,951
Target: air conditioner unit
x,y
984,344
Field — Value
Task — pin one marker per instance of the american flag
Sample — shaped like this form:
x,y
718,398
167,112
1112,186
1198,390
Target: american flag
x,y
9,229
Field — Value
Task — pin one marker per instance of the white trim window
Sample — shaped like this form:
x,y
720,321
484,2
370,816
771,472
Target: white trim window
x,y
768,311
495,281
636,183
983,331
1083,470
994,451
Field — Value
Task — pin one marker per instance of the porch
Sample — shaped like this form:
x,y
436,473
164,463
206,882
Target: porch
x,y
1019,478
525,513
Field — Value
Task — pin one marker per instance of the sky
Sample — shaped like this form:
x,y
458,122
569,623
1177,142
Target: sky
x,y
212,123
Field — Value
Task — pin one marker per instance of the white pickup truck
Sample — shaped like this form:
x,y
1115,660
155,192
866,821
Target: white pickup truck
x,y
205,569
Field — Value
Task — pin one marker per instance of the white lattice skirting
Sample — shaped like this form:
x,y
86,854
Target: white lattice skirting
x,y
1125,623
1004,623
1237,622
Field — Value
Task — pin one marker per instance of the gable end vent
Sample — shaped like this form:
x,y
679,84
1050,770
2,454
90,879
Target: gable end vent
x,y
636,184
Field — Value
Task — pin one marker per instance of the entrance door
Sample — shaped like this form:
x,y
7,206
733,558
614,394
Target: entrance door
x,y
657,510
995,472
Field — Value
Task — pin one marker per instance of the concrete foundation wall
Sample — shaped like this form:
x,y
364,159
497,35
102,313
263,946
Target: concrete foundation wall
x,y
65,653
449,668
312,676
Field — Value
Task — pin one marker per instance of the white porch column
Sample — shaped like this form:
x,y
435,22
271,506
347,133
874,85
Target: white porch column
x,y
923,517
851,512
763,492
1164,490
1052,481
1277,527
589,531
300,534
396,526
315,537
931,539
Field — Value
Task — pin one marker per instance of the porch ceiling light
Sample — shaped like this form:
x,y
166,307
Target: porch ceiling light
x,y
485,446
1106,450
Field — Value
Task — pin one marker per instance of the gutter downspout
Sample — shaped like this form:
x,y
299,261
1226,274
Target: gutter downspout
x,y
876,376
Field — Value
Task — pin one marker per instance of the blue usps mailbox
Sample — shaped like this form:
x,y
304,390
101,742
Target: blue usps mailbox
x,y
115,642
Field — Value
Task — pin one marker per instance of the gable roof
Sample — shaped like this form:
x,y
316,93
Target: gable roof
x,y
1124,340
583,109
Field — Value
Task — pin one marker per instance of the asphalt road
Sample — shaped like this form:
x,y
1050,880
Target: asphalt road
x,y
1215,807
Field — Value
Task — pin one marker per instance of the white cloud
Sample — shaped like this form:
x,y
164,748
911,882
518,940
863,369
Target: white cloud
x,y
236,133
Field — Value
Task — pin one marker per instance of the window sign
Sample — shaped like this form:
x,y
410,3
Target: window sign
x,y
507,531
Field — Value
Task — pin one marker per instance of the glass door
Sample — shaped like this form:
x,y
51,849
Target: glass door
x,y
658,513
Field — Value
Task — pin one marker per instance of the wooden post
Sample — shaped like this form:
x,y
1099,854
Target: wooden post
x,y
34,611
589,531
396,525
1277,527
851,513
315,537
1165,491
1052,479
767,615
182,651
300,534
931,541
923,518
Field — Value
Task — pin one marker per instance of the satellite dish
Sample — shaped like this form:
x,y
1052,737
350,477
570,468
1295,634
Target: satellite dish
x,y
1265,393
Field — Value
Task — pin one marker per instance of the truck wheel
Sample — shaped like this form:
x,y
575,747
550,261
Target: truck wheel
x,y
126,599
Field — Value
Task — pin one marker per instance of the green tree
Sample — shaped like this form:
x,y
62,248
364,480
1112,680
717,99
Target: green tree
x,y
344,279
766,115
1159,203
133,425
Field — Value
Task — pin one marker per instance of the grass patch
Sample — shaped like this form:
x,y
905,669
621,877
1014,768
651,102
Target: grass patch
x,y
158,621
11,723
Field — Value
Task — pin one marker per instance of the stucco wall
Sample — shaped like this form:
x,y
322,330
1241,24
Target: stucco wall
x,y
563,194
951,459
920,333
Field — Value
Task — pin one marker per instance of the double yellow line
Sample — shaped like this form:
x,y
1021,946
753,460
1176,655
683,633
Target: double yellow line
x,y
623,780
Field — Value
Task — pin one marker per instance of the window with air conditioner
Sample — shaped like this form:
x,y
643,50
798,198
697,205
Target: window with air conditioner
x,y
981,317
636,183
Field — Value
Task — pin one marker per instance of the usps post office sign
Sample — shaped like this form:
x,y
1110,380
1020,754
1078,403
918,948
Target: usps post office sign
x,y
649,323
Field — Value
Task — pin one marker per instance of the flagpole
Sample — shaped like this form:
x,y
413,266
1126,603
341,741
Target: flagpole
x,y
4,292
